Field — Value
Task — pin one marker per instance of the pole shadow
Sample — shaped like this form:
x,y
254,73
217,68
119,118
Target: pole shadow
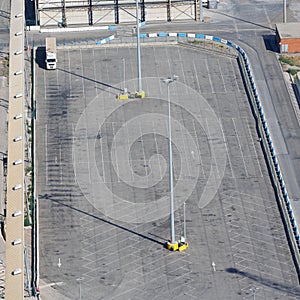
x,y
242,20
289,290
48,197
105,85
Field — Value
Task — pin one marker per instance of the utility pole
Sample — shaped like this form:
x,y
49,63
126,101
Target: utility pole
x,y
172,245
167,81
138,47
284,11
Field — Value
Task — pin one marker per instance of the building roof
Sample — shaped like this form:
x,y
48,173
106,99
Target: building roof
x,y
288,30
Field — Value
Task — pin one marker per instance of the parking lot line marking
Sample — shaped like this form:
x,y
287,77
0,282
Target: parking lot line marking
x,y
198,146
94,69
157,151
114,150
223,81
143,148
70,75
60,165
209,77
212,150
129,158
227,151
73,154
46,151
182,71
186,154
234,76
196,75
253,146
240,146
86,122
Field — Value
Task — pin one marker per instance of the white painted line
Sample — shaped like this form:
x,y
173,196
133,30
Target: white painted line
x,y
60,165
182,71
240,146
209,78
186,153
73,153
213,156
227,151
70,75
156,146
223,81
115,153
266,13
198,146
144,156
86,121
130,160
253,146
46,152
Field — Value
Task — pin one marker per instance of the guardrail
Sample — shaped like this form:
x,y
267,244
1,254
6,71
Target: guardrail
x,y
272,161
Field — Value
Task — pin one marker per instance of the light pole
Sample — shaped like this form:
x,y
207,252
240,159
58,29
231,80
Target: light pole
x,y
124,74
284,11
167,81
138,47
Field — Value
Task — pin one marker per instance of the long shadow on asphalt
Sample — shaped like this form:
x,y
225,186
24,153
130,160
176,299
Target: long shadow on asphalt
x,y
40,60
245,21
95,81
48,197
269,283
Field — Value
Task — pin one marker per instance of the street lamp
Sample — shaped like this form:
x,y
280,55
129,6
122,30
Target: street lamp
x,y
284,11
124,74
167,81
138,47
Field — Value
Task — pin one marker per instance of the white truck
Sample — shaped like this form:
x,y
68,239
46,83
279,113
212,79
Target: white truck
x,y
51,53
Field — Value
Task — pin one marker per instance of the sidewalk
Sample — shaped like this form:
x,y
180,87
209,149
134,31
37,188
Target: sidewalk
x,y
3,151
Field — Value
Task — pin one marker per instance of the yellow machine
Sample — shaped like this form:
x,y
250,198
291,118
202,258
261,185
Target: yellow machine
x,y
135,95
178,246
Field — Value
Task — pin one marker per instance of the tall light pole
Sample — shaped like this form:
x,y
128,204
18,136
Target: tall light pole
x,y
138,47
284,11
124,77
167,81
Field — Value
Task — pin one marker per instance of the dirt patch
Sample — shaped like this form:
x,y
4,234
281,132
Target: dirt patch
x,y
4,63
290,64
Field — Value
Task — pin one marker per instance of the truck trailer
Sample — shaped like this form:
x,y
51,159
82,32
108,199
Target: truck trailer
x,y
51,53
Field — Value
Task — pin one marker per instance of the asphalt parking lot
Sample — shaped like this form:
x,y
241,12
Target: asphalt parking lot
x,y
103,181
